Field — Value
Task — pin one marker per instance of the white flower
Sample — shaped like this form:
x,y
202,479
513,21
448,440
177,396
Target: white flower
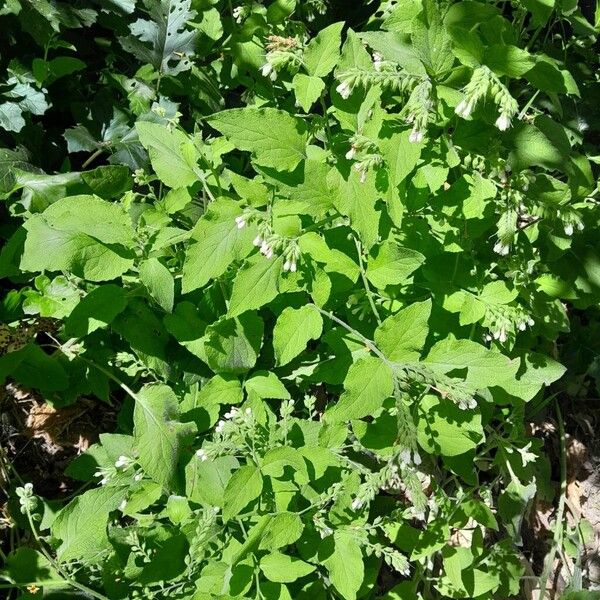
x,y
287,265
138,476
220,426
503,122
240,222
415,136
257,241
248,411
487,337
238,13
266,69
464,108
351,153
201,454
122,462
405,457
269,253
502,337
356,504
522,326
123,505
325,531
501,249
377,61
569,228
530,322
344,90
580,226
293,266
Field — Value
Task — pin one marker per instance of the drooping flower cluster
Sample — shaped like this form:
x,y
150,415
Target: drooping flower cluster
x,y
270,243
485,83
504,321
283,53
418,108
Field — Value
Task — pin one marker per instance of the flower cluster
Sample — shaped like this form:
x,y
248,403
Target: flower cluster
x,y
383,73
483,83
270,243
505,321
418,109
283,53
312,8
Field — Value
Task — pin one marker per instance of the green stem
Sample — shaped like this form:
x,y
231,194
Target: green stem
x,y
558,524
365,281
92,158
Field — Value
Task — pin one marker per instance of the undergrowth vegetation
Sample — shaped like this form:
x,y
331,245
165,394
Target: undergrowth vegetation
x,y
325,263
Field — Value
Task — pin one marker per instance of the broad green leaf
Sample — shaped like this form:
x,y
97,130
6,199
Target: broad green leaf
x,y
508,60
368,383
205,480
159,437
174,166
81,525
293,330
307,89
345,565
221,389
402,336
232,345
87,236
217,243
485,368
163,40
159,282
255,285
266,385
444,428
431,42
391,264
323,51
283,529
276,138
95,310
357,200
25,565
186,326
245,485
282,568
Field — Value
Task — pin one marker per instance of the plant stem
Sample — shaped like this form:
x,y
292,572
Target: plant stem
x,y
92,158
558,524
365,281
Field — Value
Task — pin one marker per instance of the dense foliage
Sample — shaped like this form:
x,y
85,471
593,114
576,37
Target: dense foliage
x,y
325,262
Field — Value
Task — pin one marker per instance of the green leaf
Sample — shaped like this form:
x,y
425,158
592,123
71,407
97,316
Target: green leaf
x,y
159,437
485,368
81,525
255,285
97,309
170,154
368,383
266,385
232,345
159,282
281,145
163,40
345,564
402,336
444,428
282,568
391,264
431,42
307,90
245,485
87,236
509,60
25,565
217,243
323,51
205,481
293,330
357,200
283,529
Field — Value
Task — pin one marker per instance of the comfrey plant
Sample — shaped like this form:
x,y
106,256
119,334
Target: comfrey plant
x,y
320,277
